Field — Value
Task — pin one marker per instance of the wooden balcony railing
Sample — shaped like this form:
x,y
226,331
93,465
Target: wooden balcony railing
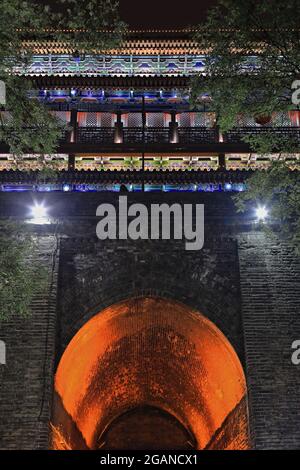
x,y
95,135
196,135
237,135
151,135
207,138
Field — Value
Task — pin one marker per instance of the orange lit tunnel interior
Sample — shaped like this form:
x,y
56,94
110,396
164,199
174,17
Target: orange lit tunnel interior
x,y
149,373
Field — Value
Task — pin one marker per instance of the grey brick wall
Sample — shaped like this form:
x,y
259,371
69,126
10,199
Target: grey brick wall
x,y
95,274
270,285
246,284
26,381
234,432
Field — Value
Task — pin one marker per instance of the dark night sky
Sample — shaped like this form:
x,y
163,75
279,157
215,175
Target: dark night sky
x,y
153,14
158,14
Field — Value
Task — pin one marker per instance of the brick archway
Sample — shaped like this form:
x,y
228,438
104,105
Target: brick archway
x,y
150,352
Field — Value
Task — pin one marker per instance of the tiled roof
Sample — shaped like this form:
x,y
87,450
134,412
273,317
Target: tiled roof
x,y
128,47
140,42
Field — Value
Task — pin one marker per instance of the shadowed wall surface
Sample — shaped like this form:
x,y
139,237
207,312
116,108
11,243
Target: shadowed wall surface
x,y
146,427
146,351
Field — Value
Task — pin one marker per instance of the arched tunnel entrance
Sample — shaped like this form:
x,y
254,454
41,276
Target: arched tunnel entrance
x,y
149,373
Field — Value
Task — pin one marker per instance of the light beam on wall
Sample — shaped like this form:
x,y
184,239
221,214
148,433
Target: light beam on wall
x,y
39,214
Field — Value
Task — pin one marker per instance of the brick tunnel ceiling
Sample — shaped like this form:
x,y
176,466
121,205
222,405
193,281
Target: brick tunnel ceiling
x,y
140,364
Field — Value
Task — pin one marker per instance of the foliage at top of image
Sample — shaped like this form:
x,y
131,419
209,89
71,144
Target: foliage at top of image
x,y
20,277
88,26
85,25
253,57
27,124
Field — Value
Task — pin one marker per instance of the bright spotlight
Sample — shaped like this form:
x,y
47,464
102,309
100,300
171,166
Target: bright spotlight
x,y
39,214
261,213
38,210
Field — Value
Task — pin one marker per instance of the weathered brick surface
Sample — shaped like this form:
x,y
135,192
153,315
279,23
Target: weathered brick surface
x,y
97,274
26,381
94,274
270,285
234,432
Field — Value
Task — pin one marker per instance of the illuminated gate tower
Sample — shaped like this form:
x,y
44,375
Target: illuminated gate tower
x,y
143,344
133,102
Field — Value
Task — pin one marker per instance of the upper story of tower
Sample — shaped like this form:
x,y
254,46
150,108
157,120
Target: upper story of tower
x,y
130,104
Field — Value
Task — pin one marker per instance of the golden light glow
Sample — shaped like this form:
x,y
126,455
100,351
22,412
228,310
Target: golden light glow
x,y
145,351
